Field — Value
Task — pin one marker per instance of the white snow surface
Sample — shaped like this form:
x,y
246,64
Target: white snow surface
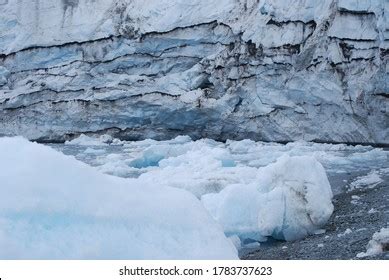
x,y
378,244
55,207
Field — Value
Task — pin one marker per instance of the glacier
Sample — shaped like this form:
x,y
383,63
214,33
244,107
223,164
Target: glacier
x,y
233,69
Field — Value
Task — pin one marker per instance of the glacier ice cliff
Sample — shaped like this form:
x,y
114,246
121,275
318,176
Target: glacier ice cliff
x,y
275,70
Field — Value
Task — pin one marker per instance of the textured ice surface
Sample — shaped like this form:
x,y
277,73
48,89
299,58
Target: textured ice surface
x,y
270,70
288,200
55,207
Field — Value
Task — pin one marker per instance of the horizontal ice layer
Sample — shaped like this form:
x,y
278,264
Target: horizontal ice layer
x,y
55,207
288,200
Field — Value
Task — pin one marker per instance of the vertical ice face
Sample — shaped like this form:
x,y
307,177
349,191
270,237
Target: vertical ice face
x,y
266,70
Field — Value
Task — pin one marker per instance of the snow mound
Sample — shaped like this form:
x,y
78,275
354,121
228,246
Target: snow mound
x,y
378,244
55,207
288,200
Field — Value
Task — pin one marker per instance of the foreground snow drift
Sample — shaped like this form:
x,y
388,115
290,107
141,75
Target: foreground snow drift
x,y
53,206
288,200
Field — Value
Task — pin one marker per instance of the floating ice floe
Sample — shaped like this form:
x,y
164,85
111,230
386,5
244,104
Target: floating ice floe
x,y
378,244
55,207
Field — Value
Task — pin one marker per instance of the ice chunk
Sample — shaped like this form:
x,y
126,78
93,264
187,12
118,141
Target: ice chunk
x,y
372,211
84,140
102,140
371,180
55,207
319,231
346,232
289,199
378,244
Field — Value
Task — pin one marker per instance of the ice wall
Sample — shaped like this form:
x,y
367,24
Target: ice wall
x,y
228,69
